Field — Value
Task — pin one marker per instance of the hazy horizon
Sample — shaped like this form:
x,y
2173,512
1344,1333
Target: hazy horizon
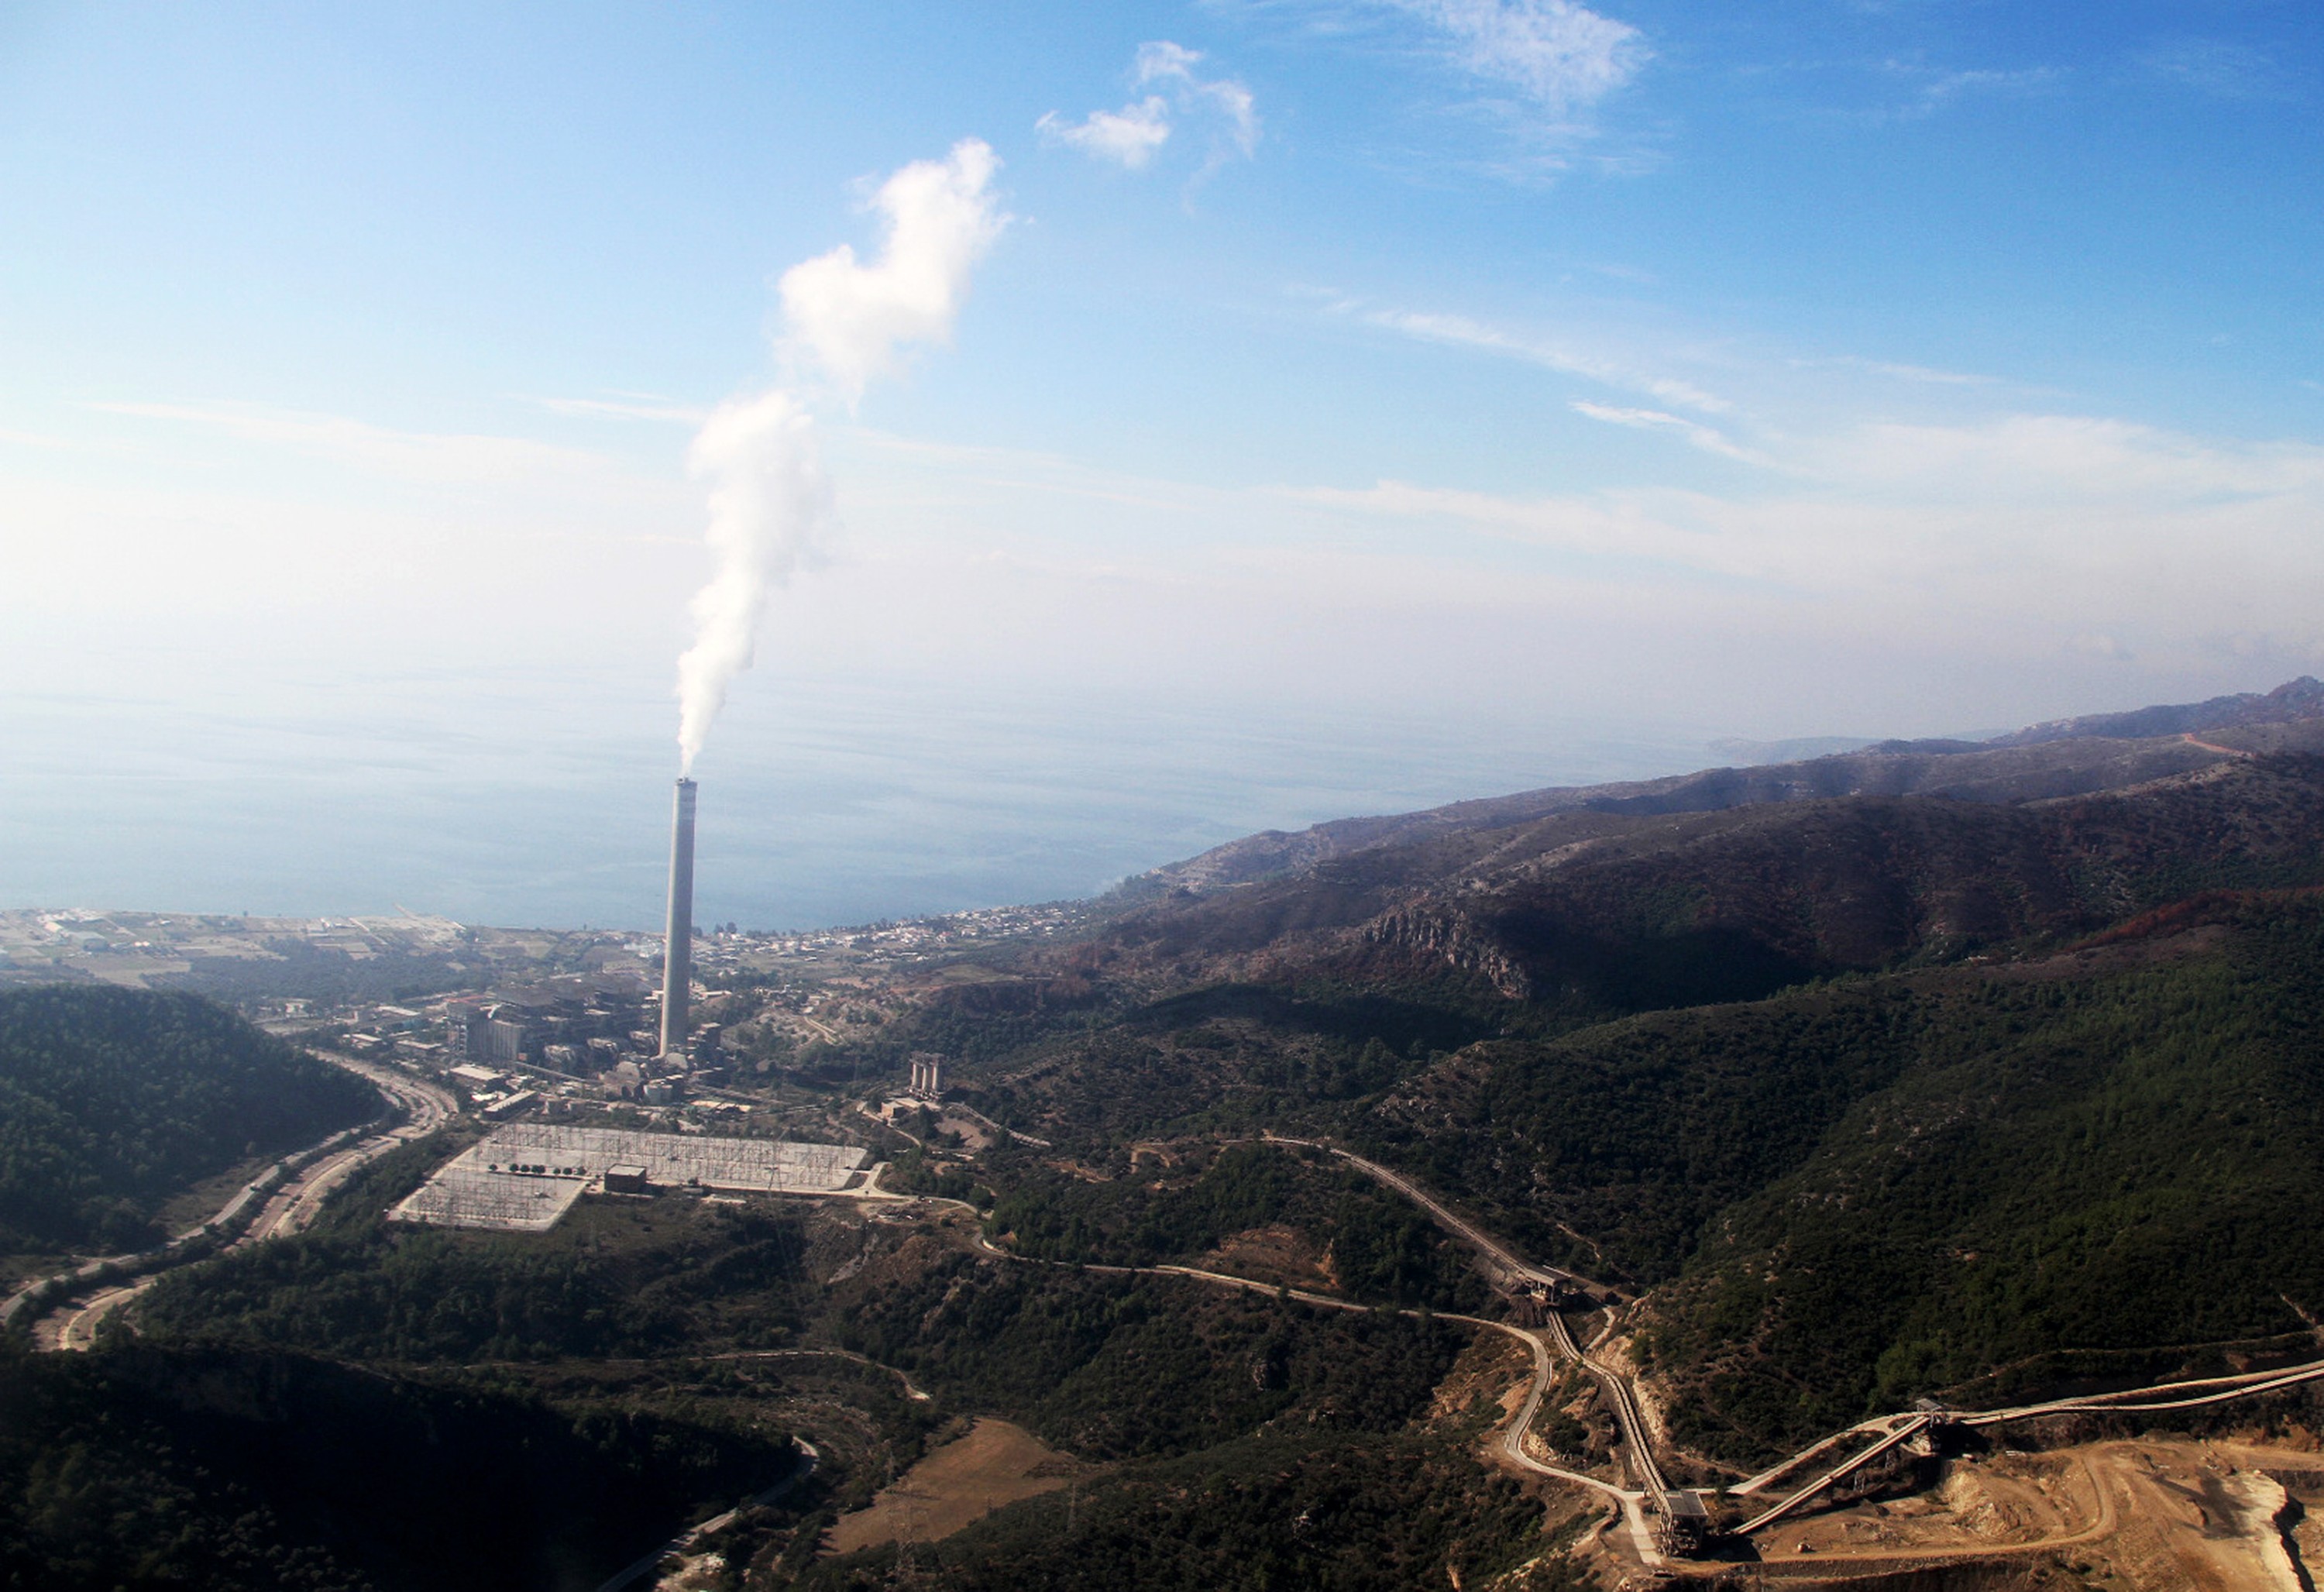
x,y
843,805
844,802
1246,413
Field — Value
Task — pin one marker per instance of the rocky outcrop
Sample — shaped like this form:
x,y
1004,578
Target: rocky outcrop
x,y
1450,935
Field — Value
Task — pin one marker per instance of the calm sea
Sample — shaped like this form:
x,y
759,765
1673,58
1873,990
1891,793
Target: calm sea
x,y
530,801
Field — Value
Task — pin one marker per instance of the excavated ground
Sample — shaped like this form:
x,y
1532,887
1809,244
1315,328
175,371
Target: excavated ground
x,y
2150,1515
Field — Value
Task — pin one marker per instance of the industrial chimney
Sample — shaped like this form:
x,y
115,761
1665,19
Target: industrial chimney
x,y
678,944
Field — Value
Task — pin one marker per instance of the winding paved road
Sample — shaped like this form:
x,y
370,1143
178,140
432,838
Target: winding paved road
x,y
290,1208
1638,1441
1546,1344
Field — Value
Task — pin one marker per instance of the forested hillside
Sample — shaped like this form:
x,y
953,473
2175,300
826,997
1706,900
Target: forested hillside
x,y
1592,913
1350,1233
225,1469
112,1101
2071,1167
1876,1096
1841,1195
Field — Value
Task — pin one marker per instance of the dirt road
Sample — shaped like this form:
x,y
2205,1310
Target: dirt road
x,y
2156,1513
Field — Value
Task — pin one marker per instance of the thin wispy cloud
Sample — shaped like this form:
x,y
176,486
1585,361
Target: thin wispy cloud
x,y
1560,56
2089,459
1953,85
2055,528
1875,510
1895,91
2217,67
14,439
2046,521
438,459
1930,91
640,408
1023,472
1709,439
1461,331
1175,92
1920,374
1531,74
1172,64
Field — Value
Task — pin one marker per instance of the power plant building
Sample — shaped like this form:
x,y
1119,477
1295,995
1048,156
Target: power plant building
x,y
504,1040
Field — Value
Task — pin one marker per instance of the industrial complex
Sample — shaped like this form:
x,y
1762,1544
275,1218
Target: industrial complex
x,y
525,1176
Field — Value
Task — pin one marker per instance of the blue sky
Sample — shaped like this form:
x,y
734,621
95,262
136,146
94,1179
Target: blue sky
x,y
1811,366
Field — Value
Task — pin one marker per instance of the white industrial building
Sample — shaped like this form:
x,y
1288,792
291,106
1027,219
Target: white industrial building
x,y
525,1176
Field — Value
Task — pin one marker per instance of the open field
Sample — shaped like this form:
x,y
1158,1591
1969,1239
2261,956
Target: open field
x,y
1271,1254
960,1483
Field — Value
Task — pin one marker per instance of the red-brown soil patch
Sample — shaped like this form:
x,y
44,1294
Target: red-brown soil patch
x,y
956,1486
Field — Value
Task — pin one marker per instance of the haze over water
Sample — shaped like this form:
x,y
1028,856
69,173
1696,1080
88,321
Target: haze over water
x,y
538,800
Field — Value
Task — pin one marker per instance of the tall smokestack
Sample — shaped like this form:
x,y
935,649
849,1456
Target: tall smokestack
x,y
678,944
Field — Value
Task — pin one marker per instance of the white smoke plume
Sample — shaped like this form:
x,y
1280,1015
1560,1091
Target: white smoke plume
x,y
844,322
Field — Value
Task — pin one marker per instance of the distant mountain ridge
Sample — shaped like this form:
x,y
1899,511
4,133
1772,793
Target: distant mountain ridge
x,y
2294,700
2061,757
